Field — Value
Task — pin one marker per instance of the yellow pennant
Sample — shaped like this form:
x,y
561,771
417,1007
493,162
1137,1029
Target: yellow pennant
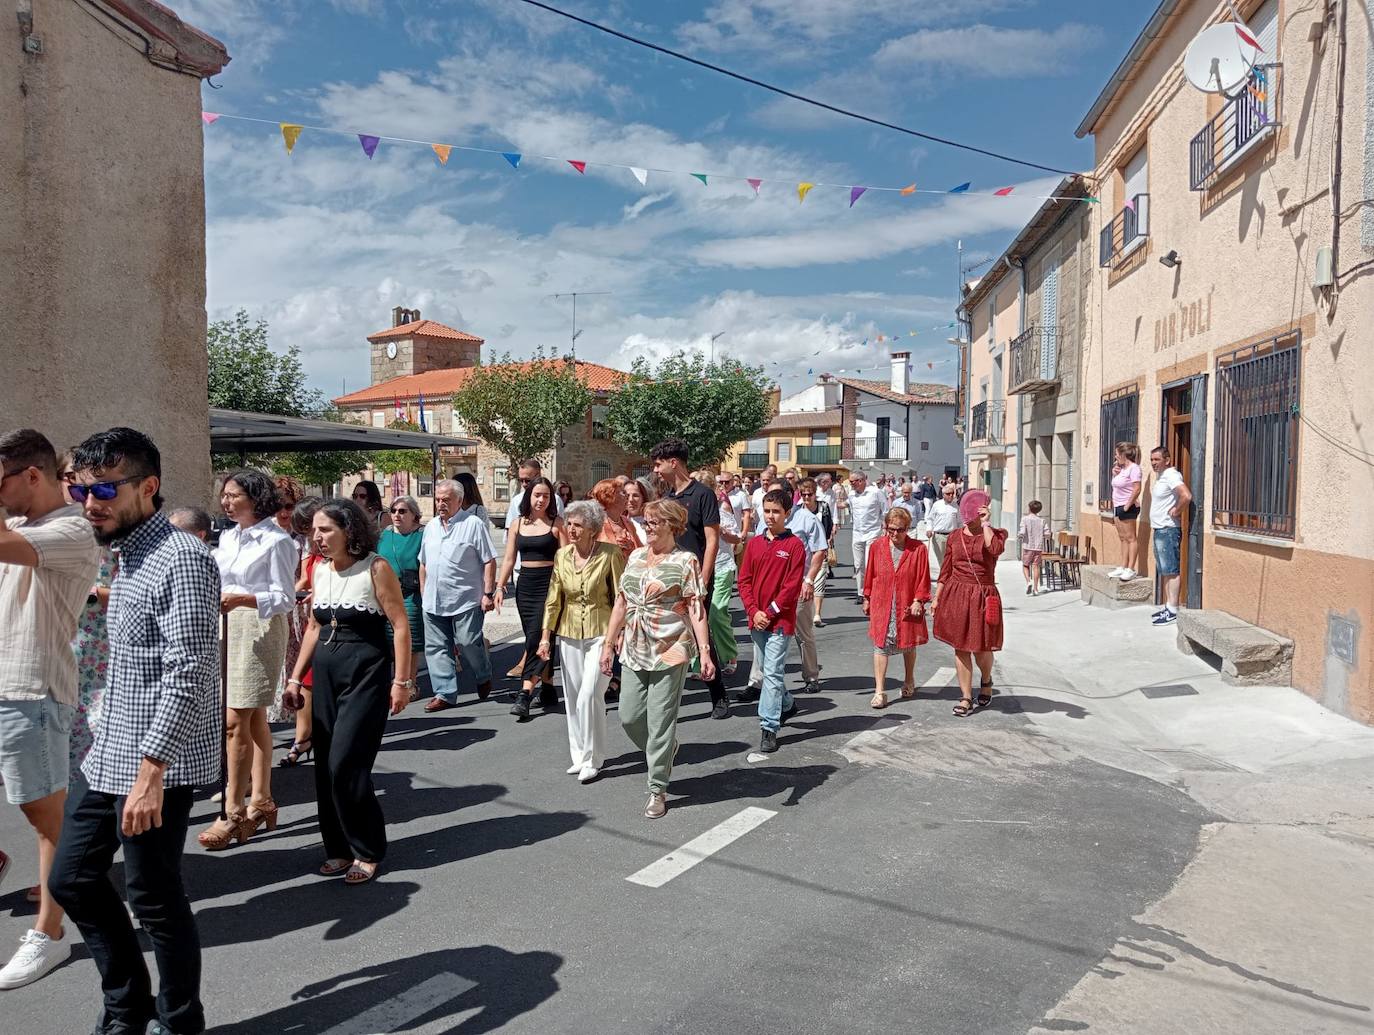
x,y
442,151
290,132
803,189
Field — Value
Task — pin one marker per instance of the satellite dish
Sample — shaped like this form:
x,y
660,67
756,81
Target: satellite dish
x,y
1221,58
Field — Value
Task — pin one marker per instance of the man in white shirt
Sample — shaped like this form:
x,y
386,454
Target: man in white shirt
x,y
867,505
943,519
767,478
48,564
911,504
457,589
739,507
528,472
1168,496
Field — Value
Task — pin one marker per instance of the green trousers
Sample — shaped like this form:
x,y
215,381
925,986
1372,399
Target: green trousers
x,y
722,635
648,711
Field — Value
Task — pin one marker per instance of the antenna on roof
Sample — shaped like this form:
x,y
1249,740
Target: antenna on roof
x,y
575,332
1221,59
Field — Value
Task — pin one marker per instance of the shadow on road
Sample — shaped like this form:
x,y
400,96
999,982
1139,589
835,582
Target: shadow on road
x,y
418,991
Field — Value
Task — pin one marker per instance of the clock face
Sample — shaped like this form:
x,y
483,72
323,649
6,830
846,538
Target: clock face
x,y
391,350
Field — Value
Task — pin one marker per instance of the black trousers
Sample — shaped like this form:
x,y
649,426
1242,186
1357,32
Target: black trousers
x,y
531,593
349,721
80,883
717,683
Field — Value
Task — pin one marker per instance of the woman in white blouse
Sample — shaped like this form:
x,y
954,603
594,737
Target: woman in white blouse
x,y
257,568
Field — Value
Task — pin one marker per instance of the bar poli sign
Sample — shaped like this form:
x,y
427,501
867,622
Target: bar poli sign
x,y
1185,321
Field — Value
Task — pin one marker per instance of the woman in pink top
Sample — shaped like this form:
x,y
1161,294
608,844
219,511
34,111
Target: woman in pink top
x,y
1126,482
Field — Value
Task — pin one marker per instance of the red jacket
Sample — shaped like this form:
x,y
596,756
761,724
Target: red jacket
x,y
770,580
886,588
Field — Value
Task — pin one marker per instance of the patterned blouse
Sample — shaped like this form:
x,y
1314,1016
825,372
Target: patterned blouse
x,y
92,650
658,628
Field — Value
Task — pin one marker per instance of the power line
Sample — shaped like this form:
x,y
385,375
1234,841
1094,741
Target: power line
x,y
788,93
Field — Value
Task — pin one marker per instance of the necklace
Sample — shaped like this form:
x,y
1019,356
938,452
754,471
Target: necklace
x,y
333,608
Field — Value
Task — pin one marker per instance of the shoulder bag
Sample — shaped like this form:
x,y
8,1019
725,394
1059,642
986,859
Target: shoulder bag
x,y
992,605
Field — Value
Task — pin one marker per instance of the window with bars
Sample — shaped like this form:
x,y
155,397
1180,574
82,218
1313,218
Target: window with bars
x,y
1254,475
1119,422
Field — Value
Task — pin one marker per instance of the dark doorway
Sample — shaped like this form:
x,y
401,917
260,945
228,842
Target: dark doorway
x,y
1183,431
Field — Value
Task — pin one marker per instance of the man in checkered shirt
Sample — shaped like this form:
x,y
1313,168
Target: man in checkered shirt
x,y
158,739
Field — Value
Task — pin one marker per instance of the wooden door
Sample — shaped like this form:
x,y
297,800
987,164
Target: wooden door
x,y
1178,437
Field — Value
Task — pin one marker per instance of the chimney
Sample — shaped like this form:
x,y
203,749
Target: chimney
x,y
901,375
830,392
396,316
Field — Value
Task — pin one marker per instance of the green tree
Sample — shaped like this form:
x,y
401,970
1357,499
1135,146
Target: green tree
x,y
711,405
520,407
417,462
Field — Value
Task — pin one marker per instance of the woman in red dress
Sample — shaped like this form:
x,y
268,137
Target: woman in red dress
x,y
896,591
964,618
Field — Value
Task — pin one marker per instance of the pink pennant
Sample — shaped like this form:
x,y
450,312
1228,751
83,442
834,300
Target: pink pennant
x,y
579,166
756,184
208,117
1003,192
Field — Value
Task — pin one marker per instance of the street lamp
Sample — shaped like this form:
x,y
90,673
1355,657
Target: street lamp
x,y
718,334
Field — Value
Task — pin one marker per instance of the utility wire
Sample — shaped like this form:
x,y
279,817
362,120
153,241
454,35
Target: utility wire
x,y
788,93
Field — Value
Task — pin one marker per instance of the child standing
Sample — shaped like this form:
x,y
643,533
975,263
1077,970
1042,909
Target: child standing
x,y
1032,536
770,582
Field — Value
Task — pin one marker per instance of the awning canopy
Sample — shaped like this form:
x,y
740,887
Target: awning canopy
x,y
234,431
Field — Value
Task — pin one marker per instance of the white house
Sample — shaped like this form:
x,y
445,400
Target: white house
x,y
899,427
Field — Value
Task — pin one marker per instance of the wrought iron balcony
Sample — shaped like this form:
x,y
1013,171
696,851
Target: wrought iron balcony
x,y
1126,232
813,455
986,423
1035,361
1240,125
753,461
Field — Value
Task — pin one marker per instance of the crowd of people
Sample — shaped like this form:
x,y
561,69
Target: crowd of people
x,y
147,657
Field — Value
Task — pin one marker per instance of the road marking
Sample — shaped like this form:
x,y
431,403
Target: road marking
x,y
674,864
943,677
400,1012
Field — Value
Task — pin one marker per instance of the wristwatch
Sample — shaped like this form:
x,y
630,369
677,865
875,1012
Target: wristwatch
x,y
489,593
404,684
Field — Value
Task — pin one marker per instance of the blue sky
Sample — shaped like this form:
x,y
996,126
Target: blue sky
x,y
323,243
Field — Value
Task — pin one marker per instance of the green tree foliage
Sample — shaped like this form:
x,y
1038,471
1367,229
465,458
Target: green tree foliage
x,y
417,462
711,405
520,407
320,470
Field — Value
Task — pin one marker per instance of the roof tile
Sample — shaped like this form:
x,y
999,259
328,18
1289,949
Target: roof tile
x,y
425,329
438,384
921,394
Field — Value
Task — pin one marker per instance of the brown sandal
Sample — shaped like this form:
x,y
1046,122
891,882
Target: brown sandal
x,y
335,867
964,707
220,834
266,813
359,874
908,692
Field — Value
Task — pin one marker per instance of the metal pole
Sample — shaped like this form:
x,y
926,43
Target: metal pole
x,y
223,717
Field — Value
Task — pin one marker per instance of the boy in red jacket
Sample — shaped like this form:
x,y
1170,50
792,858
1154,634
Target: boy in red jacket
x,y
770,582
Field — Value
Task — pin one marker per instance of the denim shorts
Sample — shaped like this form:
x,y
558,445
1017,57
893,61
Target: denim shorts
x,y
1167,541
35,740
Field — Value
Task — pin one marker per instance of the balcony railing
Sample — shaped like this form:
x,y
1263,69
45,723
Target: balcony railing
x,y
1240,125
891,447
753,461
985,422
812,455
1126,232
1035,361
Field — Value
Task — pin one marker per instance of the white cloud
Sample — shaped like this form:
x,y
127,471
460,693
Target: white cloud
x,y
991,52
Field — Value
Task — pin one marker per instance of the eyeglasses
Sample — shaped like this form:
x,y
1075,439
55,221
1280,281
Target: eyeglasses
x,y
652,522
105,491
806,494
894,528
400,510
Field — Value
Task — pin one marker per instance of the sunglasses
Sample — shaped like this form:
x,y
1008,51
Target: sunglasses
x,y
400,510
104,491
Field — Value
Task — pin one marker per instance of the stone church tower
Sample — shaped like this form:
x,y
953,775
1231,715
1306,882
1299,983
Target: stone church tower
x,y
412,345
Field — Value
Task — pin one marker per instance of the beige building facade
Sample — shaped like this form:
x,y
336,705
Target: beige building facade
x,y
102,227
1230,321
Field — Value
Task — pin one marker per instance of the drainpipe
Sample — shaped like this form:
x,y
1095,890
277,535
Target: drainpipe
x,y
1019,264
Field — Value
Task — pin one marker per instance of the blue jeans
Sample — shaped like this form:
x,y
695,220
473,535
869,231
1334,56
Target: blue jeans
x,y
1167,541
770,651
444,634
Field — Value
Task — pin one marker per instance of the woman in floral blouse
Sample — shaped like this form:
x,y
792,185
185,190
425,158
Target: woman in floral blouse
x,y
661,610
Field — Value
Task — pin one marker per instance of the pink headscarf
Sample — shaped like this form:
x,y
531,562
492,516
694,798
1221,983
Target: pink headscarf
x,y
973,501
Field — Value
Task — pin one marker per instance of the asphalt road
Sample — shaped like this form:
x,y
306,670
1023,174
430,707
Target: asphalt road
x,y
909,871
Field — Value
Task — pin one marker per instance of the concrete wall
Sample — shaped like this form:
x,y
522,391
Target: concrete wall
x,y
1249,249
102,242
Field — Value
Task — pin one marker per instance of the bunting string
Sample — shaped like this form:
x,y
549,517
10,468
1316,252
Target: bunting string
x,y
291,134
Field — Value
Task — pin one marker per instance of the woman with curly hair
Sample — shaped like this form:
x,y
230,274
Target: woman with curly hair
x,y
257,567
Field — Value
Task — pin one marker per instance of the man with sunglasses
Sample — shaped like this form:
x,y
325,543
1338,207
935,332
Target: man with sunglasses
x,y
158,739
48,563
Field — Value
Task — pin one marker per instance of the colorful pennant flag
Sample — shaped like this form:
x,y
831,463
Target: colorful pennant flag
x,y
756,184
803,189
642,175
855,193
424,426
581,167
442,150
961,189
369,143
208,117
909,189
1003,192
701,177
1244,34
514,159
290,132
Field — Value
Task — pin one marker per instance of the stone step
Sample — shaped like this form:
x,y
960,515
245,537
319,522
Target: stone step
x,y
1114,594
1248,654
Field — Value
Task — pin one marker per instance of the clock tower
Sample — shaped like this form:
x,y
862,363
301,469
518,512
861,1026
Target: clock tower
x,y
413,345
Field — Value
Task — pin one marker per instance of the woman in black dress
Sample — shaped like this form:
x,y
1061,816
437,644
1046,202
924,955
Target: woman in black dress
x,y
355,594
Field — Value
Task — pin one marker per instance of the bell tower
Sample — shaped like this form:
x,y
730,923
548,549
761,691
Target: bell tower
x,y
413,345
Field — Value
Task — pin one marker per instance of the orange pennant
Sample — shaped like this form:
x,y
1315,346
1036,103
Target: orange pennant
x,y
909,190
442,150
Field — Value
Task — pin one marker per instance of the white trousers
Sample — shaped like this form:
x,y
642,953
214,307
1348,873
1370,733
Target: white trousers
x,y
584,699
860,563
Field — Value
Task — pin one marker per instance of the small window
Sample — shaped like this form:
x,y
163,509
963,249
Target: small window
x,y
1120,419
925,447
379,418
500,484
642,470
757,445
426,488
601,469
784,452
599,422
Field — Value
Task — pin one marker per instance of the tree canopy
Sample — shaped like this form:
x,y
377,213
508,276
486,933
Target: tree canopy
x,y
418,462
711,405
519,407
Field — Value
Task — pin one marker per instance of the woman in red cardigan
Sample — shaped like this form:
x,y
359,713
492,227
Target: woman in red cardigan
x,y
896,589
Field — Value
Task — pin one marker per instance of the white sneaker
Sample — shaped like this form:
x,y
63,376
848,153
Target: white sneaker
x,y
574,769
37,955
1127,574
1115,573
588,774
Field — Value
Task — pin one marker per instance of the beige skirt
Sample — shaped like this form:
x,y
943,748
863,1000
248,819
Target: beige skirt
x,y
257,651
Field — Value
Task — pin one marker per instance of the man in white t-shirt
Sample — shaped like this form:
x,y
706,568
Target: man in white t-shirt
x,y
867,505
528,472
48,563
769,475
1168,496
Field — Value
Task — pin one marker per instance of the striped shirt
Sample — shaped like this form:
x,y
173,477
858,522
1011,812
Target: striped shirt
x,y
162,698
41,605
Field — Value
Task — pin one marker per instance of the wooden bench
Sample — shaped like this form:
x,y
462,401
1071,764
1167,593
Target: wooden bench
x,y
1248,655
